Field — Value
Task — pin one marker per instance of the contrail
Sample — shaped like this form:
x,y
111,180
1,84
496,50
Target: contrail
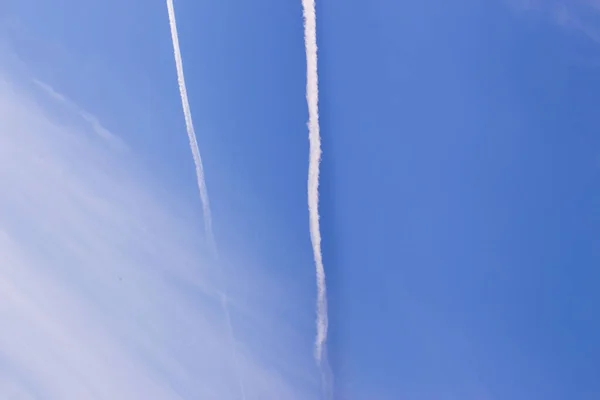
x,y
201,181
190,129
312,98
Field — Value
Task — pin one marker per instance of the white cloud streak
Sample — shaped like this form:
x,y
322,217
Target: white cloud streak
x,y
200,178
100,130
189,124
312,98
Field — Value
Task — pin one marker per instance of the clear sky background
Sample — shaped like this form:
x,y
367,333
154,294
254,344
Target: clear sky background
x,y
460,189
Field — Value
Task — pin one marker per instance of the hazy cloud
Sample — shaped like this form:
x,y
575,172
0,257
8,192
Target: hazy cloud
x,y
103,291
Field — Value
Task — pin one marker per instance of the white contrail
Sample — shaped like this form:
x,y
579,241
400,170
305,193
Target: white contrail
x,y
312,98
210,237
190,129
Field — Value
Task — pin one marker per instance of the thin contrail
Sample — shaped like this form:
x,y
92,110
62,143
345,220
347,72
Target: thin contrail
x,y
190,129
312,98
201,181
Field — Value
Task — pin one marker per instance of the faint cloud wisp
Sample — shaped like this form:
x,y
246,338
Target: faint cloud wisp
x,y
581,16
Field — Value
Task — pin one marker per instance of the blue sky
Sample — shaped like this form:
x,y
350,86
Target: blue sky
x,y
459,192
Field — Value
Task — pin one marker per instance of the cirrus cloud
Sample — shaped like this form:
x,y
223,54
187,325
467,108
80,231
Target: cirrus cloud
x,y
104,293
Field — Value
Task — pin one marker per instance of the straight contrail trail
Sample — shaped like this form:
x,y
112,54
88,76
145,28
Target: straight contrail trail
x,y
190,129
201,181
312,99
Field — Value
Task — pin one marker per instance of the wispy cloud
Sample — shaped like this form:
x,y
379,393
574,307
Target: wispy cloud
x,y
312,98
577,15
103,293
200,178
97,127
